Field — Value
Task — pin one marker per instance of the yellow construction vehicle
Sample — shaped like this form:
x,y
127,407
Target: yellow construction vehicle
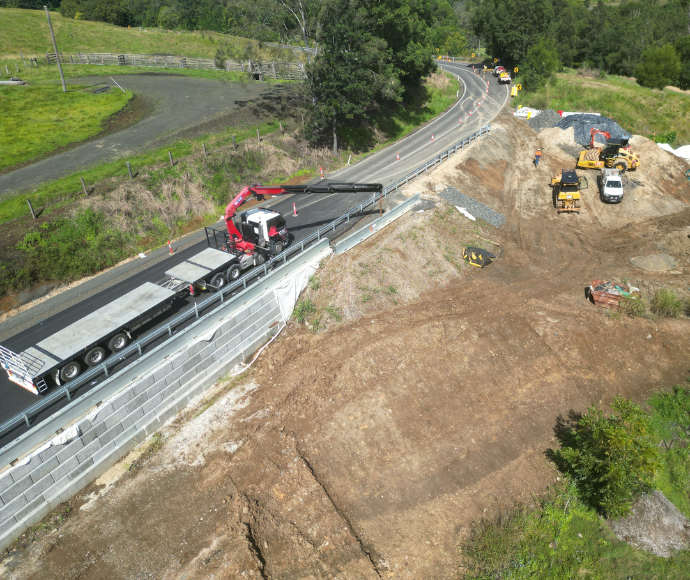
x,y
566,191
616,153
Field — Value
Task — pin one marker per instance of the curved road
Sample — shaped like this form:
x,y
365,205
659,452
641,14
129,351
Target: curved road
x,y
414,150
180,103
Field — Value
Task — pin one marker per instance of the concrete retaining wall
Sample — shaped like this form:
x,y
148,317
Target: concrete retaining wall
x,y
31,491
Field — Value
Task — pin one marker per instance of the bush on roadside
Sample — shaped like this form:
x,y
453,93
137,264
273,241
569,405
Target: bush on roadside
x,y
612,460
303,309
660,66
632,307
666,303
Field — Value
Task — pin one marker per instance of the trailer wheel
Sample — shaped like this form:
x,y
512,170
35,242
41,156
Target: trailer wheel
x,y
70,371
233,272
95,356
219,281
118,342
277,248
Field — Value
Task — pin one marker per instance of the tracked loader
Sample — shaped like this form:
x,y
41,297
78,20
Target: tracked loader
x,y
615,154
566,191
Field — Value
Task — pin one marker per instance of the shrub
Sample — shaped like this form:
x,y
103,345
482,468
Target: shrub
x,y
660,66
632,307
666,303
611,459
303,309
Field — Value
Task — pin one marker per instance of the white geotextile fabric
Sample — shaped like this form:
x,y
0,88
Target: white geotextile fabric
x,y
683,152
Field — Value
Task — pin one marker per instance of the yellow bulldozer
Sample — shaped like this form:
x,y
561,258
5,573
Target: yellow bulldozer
x,y
616,153
566,187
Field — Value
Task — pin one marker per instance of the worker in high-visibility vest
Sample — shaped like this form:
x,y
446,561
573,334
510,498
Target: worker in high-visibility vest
x,y
537,157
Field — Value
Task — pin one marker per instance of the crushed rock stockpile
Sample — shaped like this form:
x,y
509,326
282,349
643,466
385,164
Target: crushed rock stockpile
x,y
547,119
584,123
476,208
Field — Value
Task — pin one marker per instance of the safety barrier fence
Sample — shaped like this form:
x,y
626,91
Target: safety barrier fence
x,y
136,348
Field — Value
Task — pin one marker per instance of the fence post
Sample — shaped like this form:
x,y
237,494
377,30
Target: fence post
x,y
281,127
204,146
234,145
83,186
31,209
258,137
16,66
71,59
172,163
129,169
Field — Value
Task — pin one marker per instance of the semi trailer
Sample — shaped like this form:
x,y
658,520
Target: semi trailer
x,y
91,340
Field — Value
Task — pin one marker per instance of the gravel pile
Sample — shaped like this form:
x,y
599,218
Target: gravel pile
x,y
583,124
547,119
476,208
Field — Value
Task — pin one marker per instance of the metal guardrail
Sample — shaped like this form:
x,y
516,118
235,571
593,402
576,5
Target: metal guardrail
x,y
219,297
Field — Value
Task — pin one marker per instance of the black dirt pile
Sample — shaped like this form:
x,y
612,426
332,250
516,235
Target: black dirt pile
x,y
545,120
584,122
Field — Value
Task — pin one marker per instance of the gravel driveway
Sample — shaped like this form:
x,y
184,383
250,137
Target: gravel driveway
x,y
180,103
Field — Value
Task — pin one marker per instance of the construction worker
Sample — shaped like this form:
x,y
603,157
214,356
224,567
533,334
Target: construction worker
x,y
537,156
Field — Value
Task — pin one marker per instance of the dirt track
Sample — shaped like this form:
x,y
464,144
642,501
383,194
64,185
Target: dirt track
x,y
366,450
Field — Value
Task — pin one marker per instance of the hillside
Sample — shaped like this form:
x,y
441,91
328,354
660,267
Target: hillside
x,y
641,111
27,31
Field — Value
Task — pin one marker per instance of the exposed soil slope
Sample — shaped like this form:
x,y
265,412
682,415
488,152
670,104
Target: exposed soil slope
x,y
366,450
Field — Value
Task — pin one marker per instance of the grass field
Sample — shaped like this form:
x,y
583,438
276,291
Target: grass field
x,y
637,109
27,31
42,118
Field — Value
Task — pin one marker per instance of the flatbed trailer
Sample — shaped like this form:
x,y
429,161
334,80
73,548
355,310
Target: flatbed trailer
x,y
60,358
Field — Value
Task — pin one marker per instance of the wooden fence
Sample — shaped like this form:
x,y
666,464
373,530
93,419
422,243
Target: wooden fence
x,y
259,70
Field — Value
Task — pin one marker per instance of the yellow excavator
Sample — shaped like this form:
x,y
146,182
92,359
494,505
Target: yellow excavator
x,y
566,191
616,153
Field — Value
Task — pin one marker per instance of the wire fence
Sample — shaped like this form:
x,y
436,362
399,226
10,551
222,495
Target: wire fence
x,y
219,298
259,70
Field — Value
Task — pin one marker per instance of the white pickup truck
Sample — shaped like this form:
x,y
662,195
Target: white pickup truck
x,y
610,185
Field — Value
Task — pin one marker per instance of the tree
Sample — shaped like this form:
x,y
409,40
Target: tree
x,y
539,65
352,68
611,459
682,46
660,66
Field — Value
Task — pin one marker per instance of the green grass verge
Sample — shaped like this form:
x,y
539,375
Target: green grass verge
x,y
639,110
560,539
44,118
27,31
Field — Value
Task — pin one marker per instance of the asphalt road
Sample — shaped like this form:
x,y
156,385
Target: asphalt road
x,y
180,102
314,212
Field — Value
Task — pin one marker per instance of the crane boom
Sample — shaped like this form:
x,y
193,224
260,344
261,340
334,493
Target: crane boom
x,y
261,190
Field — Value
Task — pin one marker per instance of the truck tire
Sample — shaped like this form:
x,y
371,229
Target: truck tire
x,y
621,165
118,342
70,371
95,356
233,272
219,281
276,248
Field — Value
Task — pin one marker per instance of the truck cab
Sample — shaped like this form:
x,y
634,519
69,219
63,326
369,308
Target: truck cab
x,y
498,70
610,185
265,228
504,78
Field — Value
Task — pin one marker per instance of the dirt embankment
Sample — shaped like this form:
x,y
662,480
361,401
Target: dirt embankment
x,y
366,450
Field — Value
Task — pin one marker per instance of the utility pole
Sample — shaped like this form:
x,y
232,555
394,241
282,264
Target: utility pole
x,y
57,54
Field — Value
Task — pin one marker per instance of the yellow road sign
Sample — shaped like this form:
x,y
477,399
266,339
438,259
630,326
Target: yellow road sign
x,y
519,87
495,60
515,69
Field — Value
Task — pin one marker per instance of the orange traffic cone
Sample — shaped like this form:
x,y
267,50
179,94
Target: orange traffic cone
x,y
397,157
321,170
460,121
294,210
170,247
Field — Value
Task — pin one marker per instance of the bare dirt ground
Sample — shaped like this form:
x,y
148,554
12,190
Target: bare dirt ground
x,y
421,396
